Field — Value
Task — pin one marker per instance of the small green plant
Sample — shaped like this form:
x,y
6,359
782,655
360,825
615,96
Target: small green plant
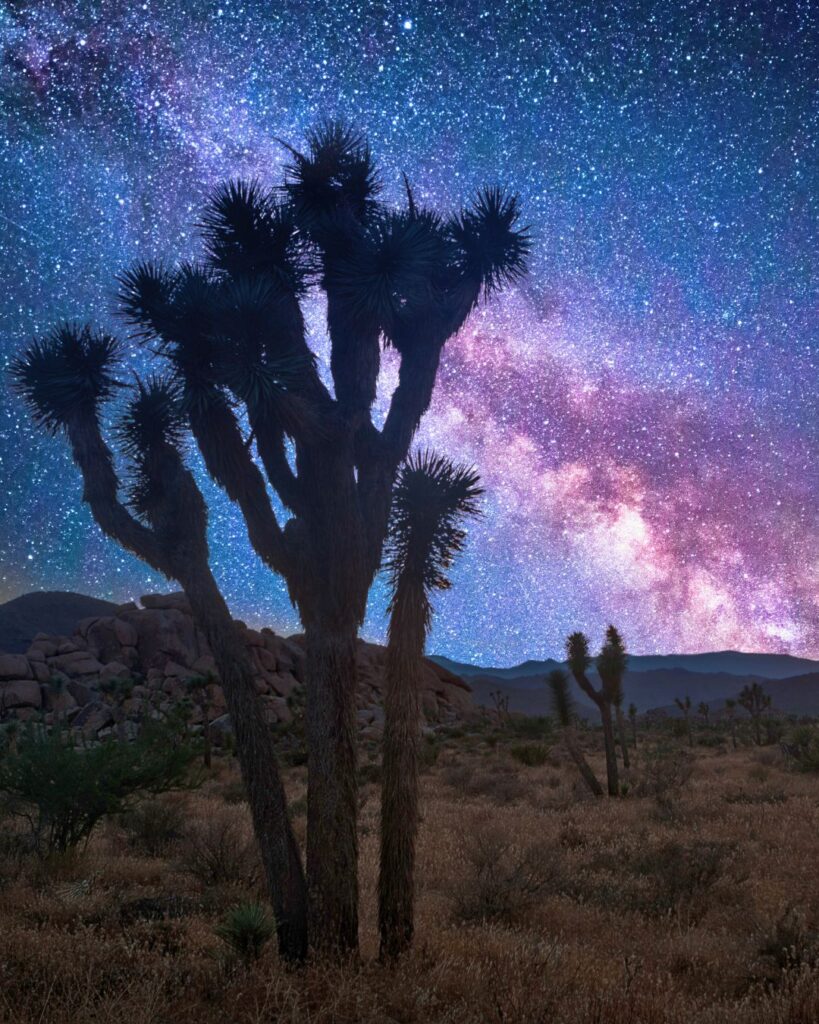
x,y
62,790
246,930
533,755
802,748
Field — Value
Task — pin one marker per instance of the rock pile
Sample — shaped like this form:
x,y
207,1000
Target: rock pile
x,y
156,647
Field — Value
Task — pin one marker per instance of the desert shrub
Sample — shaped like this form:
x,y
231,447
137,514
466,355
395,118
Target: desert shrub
x,y
501,880
502,785
220,848
802,748
682,875
790,948
246,930
428,753
533,755
153,826
531,727
662,773
62,789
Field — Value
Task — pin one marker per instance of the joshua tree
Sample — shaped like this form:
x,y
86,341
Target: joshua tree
x,y
432,498
755,701
563,708
577,651
632,717
233,331
685,706
501,702
66,378
730,712
611,666
198,689
703,710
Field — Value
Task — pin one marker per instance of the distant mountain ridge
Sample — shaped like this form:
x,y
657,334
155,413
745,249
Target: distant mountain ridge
x,y
45,611
737,663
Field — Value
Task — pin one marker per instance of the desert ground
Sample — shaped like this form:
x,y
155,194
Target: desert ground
x,y
693,898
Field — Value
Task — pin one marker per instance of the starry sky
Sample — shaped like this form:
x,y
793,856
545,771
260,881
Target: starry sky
x,y
642,409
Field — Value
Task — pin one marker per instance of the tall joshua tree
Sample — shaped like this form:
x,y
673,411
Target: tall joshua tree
x,y
232,332
579,660
162,519
432,498
563,708
611,665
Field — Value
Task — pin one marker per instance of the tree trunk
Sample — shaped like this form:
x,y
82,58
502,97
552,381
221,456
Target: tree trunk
x,y
757,730
690,731
634,732
583,765
621,731
332,796
734,734
256,753
399,791
612,775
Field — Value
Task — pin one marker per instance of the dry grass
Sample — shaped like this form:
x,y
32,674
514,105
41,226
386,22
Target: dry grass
x,y
693,899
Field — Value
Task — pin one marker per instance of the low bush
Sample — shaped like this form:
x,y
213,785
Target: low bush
x,y
221,849
153,826
533,755
62,789
500,879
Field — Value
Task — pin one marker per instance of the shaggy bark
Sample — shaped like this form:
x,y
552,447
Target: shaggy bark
x,y
621,732
177,547
399,792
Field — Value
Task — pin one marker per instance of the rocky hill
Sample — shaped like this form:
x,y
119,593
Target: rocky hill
x,y
157,646
45,611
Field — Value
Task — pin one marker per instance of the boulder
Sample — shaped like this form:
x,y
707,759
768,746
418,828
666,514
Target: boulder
x,y
14,666
114,670
93,717
76,664
284,683
165,602
20,693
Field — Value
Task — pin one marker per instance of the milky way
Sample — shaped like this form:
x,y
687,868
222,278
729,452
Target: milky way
x,y
642,409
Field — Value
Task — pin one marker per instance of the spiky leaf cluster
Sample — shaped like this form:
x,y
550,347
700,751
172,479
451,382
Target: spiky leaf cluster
x,y
577,653
248,233
491,247
151,429
611,664
334,182
562,703
67,373
432,498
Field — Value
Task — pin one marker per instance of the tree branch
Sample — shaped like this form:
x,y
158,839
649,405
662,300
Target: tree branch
x,y
94,460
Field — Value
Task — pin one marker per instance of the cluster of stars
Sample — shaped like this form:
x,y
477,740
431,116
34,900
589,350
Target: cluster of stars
x,y
642,409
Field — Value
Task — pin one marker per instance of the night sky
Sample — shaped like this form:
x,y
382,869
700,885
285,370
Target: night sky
x,y
642,409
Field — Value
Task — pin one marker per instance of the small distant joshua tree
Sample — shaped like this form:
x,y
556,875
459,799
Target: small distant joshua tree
x,y
431,500
501,702
611,665
564,712
685,706
730,714
703,710
632,717
580,661
755,701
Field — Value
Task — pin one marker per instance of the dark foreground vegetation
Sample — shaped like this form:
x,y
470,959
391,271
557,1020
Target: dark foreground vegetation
x,y
693,897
